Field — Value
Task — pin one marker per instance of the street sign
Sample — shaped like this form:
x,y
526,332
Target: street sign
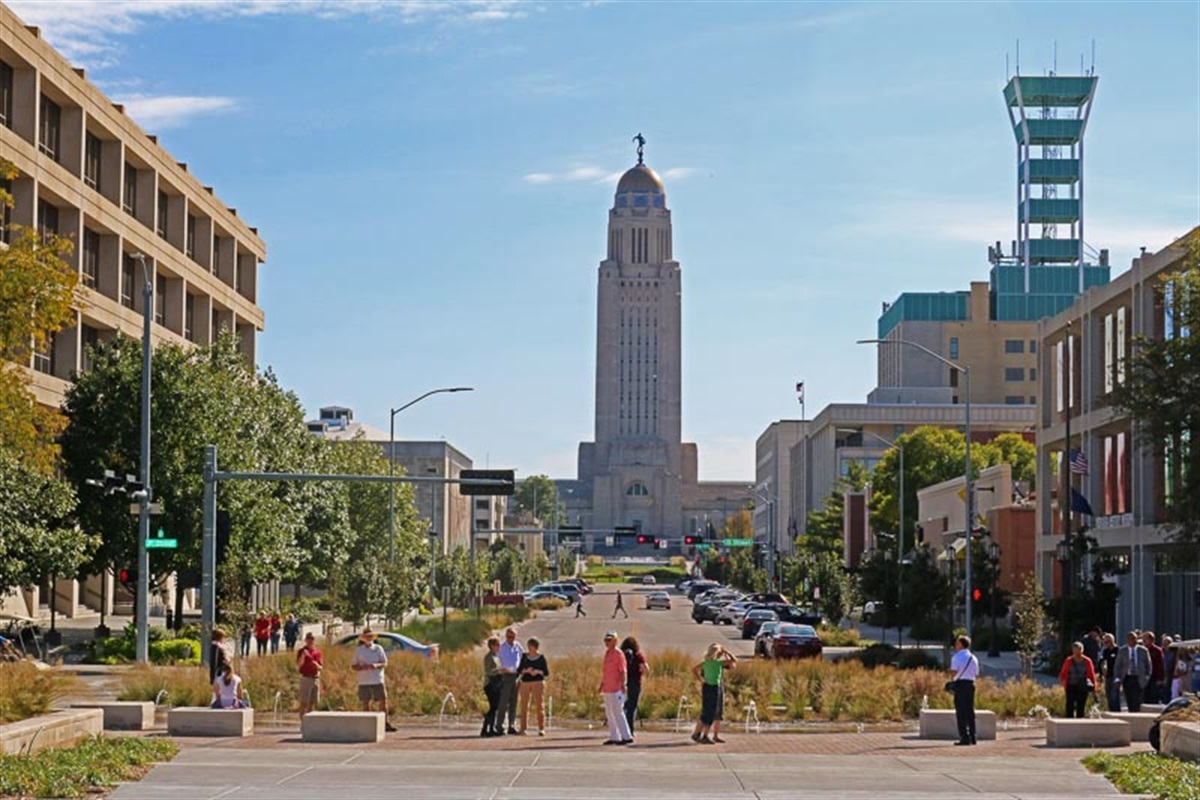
x,y
154,509
737,542
704,546
160,542
503,482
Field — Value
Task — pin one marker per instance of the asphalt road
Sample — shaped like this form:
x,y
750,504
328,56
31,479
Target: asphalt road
x,y
562,632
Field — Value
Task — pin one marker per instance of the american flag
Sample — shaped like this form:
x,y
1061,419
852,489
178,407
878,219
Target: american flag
x,y
800,391
1079,463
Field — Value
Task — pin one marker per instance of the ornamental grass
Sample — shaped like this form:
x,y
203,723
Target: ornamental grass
x,y
28,690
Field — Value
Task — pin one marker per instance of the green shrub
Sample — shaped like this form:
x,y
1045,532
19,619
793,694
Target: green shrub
x,y
547,604
175,651
1148,773
85,769
913,658
877,655
833,636
305,609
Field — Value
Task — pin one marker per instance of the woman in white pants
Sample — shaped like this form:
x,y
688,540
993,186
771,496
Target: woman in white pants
x,y
612,689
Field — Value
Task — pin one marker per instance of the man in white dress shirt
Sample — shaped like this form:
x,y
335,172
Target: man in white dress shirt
x,y
964,669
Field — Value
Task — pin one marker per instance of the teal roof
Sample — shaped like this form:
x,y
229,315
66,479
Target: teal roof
x,y
1051,90
924,307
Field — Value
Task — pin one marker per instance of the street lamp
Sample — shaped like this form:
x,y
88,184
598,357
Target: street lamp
x,y
900,534
142,601
994,561
968,522
1062,551
392,462
760,493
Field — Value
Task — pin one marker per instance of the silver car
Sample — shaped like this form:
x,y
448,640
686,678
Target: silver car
x,y
658,600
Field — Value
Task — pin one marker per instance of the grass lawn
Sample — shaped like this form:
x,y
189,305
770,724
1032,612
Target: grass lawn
x,y
1148,773
85,769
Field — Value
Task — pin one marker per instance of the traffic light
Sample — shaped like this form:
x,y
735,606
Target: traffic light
x,y
977,595
691,540
128,579
645,538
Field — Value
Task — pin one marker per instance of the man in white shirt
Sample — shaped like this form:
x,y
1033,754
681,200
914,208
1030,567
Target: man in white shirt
x,y
964,669
510,658
369,661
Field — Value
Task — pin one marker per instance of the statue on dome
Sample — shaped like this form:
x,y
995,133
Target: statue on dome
x,y
641,143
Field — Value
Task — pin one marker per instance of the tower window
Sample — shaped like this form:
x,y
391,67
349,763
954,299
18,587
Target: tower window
x,y
50,127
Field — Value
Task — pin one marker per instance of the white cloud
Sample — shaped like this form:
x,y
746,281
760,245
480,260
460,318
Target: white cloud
x,y
172,111
593,174
88,32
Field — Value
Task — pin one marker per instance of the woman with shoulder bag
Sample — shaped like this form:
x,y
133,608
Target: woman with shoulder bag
x,y
1078,678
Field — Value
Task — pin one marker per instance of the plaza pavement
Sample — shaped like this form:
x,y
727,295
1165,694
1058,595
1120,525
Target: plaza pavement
x,y
454,763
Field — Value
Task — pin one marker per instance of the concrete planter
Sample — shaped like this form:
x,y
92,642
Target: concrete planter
x,y
224,722
60,729
1181,740
939,723
342,726
1087,733
124,715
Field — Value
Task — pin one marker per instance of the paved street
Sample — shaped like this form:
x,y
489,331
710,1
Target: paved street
x,y
427,763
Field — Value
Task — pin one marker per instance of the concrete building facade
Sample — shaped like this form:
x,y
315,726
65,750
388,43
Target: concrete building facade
x,y
89,173
775,521
1083,356
638,473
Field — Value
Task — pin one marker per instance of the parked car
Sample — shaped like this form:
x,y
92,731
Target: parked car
x,y
683,584
699,587
796,641
649,580
397,643
709,612
767,597
732,613
754,620
766,635
658,600
584,586
542,594
569,590
790,613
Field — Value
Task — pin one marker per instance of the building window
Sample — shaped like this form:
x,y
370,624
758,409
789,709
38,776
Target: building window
x,y
161,228
1012,346
1120,346
50,129
189,316
1013,374
1059,377
190,243
47,219
1033,373
216,255
953,377
160,299
43,357
1108,353
6,95
127,267
1033,345
5,211
91,161
1032,400
954,347
637,489
91,258
129,203
91,340
1014,400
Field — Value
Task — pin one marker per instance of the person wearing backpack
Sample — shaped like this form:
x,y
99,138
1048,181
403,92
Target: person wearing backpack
x,y
636,669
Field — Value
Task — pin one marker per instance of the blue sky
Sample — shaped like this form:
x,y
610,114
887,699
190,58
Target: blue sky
x,y
432,180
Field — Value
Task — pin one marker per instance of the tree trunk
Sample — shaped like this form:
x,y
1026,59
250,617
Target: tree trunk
x,y
178,604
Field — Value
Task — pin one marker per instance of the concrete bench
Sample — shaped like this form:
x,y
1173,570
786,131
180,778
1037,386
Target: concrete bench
x,y
1087,733
1180,739
939,723
236,722
57,729
1139,723
342,726
1152,708
120,715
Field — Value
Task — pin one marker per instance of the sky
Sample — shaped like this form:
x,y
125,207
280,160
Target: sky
x,y
432,180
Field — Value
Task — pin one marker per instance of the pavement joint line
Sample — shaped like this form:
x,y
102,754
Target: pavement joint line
x,y
515,777
734,772
282,781
225,793
352,759
966,786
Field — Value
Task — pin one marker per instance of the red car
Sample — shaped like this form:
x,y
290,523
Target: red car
x,y
796,641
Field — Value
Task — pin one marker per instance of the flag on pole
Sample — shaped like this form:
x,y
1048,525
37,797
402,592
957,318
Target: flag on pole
x,y
1079,503
1079,463
800,391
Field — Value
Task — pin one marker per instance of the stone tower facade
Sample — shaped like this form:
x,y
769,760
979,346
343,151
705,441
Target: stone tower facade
x,y
635,468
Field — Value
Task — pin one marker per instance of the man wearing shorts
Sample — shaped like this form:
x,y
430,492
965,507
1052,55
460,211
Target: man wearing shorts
x,y
310,663
369,661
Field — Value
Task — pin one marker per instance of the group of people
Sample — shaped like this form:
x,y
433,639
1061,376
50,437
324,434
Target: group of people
x,y
1142,669
267,629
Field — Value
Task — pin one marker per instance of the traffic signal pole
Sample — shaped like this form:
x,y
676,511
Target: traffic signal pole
x,y
142,601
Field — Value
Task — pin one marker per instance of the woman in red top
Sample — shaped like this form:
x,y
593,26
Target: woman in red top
x,y
262,632
1078,677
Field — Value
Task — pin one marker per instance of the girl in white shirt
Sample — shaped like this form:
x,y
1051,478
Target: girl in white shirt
x,y
227,690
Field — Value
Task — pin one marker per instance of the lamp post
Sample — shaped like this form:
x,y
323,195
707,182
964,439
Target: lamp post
x,y
950,555
142,601
900,527
994,561
765,496
392,462
969,520
1062,551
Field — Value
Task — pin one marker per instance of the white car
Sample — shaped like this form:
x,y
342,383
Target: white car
x,y
648,580
658,600
732,613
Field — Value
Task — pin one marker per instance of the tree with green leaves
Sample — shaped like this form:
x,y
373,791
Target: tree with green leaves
x,y
38,295
537,495
1030,625
1161,394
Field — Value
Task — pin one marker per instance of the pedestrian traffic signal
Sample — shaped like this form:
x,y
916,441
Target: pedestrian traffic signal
x,y
977,595
128,579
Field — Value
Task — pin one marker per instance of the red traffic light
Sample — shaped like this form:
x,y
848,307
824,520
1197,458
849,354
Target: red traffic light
x,y
645,539
977,595
124,576
691,539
